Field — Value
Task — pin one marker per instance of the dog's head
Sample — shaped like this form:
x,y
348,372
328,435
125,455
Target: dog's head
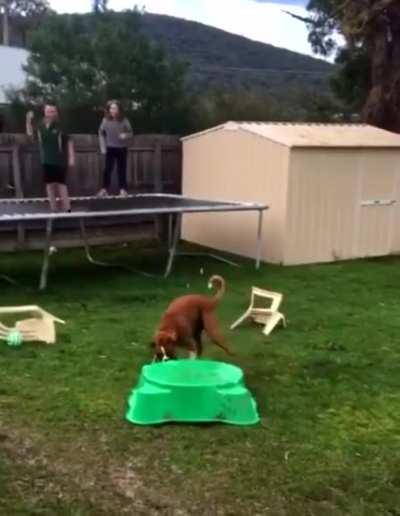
x,y
164,345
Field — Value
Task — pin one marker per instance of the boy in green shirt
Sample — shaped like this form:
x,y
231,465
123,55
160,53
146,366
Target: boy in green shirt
x,y
56,153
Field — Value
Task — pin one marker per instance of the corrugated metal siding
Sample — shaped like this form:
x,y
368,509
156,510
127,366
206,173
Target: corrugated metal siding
x,y
236,166
327,220
395,246
322,207
378,178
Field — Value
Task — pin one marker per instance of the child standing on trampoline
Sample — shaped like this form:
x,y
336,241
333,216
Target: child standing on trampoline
x,y
56,154
114,133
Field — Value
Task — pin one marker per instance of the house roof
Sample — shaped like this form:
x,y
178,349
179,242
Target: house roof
x,y
313,135
11,61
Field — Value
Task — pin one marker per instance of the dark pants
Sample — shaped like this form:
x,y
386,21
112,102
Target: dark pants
x,y
118,156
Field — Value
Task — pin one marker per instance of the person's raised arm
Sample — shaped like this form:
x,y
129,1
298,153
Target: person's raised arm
x,y
29,123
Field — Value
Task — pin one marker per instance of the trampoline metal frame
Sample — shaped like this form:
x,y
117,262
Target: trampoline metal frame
x,y
174,213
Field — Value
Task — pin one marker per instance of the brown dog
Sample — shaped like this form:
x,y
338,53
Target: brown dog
x,y
185,320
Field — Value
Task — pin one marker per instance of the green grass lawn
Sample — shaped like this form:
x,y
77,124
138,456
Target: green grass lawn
x,y
327,387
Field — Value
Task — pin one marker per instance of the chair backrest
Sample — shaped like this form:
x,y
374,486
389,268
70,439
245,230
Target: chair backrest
x,y
34,310
274,297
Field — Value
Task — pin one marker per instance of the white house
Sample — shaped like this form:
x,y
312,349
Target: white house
x,y
11,73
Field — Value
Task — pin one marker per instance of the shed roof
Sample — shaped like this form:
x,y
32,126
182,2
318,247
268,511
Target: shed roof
x,y
314,135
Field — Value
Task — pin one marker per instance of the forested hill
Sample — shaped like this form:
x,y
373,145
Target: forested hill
x,y
226,60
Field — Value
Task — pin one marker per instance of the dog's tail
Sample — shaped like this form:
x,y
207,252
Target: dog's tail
x,y
218,283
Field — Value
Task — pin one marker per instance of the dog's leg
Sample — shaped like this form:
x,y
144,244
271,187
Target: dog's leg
x,y
192,347
212,330
197,337
199,345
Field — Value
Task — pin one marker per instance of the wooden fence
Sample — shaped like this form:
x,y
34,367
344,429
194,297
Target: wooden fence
x,y
154,165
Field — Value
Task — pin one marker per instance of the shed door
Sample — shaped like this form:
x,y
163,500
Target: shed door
x,y
378,192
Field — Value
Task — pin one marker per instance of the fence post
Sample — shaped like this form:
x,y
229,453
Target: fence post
x,y
19,192
16,167
157,166
159,220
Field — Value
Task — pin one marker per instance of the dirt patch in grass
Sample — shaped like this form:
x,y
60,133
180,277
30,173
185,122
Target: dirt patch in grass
x,y
56,476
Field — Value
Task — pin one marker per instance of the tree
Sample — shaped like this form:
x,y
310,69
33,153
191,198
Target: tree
x,y
81,62
23,13
351,83
371,29
100,6
218,106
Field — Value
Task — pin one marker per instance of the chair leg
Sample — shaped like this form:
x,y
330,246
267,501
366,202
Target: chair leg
x,y
273,320
241,319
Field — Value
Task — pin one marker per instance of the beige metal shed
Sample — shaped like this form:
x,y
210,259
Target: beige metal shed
x,y
333,190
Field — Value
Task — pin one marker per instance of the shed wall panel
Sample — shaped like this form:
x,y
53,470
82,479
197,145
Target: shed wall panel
x,y
377,225
236,166
322,206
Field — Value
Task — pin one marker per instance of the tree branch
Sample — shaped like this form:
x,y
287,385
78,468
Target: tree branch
x,y
300,18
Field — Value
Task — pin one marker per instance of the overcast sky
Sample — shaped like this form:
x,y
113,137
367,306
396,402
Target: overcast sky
x,y
261,20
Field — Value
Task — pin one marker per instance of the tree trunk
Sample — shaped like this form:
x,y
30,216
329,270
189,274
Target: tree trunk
x,y
6,24
382,108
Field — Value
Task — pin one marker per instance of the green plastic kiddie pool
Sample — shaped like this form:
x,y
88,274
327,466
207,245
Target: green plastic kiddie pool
x,y
191,391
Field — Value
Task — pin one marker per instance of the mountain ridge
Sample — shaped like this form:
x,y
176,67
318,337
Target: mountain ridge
x,y
240,62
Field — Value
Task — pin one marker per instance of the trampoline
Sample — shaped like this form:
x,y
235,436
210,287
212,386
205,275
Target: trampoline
x,y
19,212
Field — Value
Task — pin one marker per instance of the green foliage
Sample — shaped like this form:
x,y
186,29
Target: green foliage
x,y
323,23
18,16
368,75
352,82
81,62
218,106
14,115
327,19
293,105
26,8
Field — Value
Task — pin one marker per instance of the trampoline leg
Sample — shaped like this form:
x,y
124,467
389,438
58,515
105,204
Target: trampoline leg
x,y
173,245
170,230
46,257
86,246
259,238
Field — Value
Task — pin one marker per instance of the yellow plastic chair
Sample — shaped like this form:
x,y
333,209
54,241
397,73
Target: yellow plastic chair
x,y
269,316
